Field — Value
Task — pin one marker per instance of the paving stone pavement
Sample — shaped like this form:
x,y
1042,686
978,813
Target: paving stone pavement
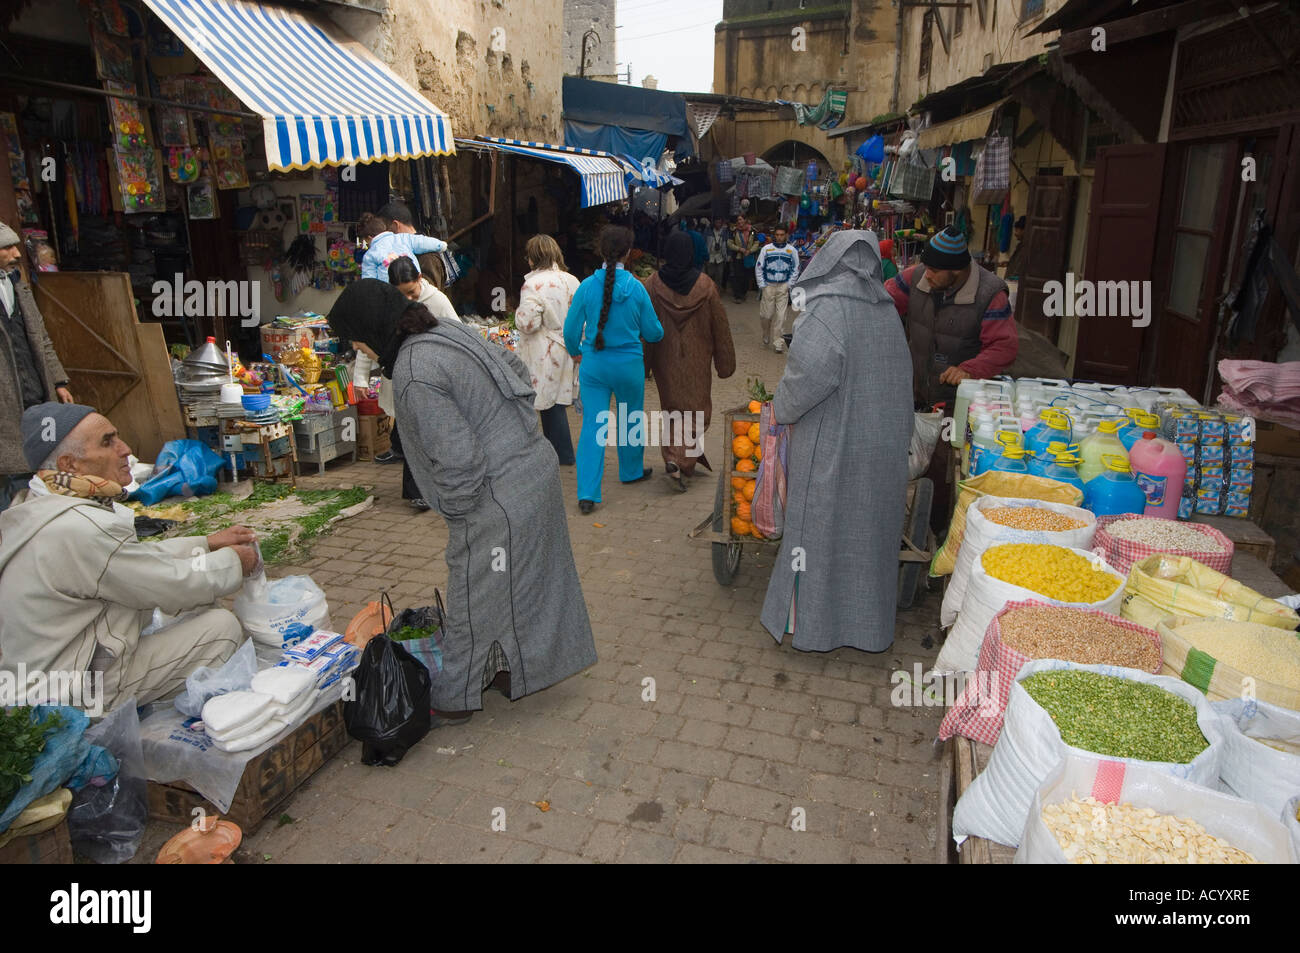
x,y
743,736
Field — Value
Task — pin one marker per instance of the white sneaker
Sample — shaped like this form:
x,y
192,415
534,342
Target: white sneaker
x,y
778,346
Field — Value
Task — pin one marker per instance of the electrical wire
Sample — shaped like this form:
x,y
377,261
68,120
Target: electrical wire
x,y
693,26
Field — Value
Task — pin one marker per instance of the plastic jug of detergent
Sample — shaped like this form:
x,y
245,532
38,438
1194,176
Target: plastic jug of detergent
x,y
1161,470
1104,442
1140,425
1011,460
983,446
1064,468
1052,425
1114,491
1044,459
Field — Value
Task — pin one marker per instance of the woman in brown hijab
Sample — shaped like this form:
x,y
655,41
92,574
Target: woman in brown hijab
x,y
696,334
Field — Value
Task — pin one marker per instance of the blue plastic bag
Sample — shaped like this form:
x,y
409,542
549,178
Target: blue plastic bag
x,y
183,468
872,151
68,760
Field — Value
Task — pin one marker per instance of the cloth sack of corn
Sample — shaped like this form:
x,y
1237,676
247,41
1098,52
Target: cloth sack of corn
x,y
986,597
1291,821
1024,486
1261,754
996,805
977,711
1160,586
1227,659
1123,553
983,532
1132,791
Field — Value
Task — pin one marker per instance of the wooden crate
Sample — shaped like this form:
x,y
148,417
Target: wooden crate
x,y
48,847
269,779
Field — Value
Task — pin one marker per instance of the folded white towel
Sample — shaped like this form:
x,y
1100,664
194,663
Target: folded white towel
x,y
285,684
233,711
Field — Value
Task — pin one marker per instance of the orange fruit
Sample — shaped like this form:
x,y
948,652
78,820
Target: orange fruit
x,y
740,527
758,453
743,510
738,497
748,489
739,427
755,407
754,434
738,483
756,534
742,447
745,466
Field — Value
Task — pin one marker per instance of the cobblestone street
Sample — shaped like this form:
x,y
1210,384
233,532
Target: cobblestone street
x,y
743,731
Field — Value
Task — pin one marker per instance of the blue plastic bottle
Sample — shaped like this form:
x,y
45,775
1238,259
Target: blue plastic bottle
x,y
1114,491
1140,424
1043,459
1054,425
1064,468
1013,460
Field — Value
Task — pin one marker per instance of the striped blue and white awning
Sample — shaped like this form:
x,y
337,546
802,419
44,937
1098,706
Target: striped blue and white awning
x,y
604,178
323,97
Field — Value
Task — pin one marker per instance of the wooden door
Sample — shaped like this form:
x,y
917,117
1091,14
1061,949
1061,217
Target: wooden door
x,y
1122,232
1047,249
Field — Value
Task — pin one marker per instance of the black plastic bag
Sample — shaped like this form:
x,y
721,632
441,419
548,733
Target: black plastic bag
x,y
106,822
391,711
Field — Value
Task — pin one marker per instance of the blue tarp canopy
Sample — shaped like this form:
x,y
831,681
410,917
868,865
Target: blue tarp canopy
x,y
621,119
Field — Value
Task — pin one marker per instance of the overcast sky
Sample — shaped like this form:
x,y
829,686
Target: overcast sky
x,y
671,40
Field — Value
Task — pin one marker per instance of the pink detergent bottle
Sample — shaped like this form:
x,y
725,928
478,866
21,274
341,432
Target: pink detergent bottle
x,y
1161,471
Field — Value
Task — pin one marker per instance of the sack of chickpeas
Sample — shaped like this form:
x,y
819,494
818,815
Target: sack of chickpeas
x,y
1090,811
1024,631
993,519
1007,572
1060,708
1261,757
1129,538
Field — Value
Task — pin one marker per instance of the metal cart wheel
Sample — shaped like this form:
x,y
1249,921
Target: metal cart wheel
x,y
916,527
726,556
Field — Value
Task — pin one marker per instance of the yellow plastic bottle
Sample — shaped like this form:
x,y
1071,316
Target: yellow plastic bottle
x,y
1103,443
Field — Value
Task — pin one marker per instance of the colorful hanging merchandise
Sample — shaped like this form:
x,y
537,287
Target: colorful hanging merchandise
x,y
226,159
726,173
202,197
182,164
789,181
827,114
112,56
128,121
992,172
109,16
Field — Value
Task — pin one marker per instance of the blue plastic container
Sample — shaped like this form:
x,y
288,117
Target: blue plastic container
x,y
1064,469
1012,460
1053,425
1139,425
1114,491
256,402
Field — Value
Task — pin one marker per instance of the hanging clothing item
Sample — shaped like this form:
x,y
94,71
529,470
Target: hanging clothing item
x,y
1264,258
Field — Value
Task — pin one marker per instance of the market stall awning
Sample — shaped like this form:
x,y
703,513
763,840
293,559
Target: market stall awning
x,y
962,129
603,176
324,98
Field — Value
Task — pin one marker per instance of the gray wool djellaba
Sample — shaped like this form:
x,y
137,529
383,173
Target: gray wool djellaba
x,y
847,394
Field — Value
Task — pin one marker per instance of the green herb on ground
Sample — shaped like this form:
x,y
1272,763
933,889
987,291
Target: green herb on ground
x,y
22,738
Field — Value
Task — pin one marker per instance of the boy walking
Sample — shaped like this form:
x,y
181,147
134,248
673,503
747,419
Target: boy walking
x,y
776,268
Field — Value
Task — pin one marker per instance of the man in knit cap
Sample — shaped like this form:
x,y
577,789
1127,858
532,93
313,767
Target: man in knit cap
x,y
30,372
958,317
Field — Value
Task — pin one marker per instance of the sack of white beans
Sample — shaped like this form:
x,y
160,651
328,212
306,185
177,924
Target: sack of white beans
x,y
987,525
1128,538
1261,754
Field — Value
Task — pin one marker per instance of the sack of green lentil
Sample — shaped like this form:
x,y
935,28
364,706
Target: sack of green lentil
x,y
1261,755
1226,659
995,519
1065,577
1021,486
1135,717
1088,812
1024,631
1291,821
1129,538
1160,586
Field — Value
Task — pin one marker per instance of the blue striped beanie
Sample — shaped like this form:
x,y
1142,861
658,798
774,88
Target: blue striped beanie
x,y
947,251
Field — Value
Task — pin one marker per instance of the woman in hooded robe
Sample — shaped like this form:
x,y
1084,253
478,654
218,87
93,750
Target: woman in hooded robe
x,y
696,335
472,438
847,396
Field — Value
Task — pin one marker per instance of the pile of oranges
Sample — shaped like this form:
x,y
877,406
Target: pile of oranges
x,y
745,447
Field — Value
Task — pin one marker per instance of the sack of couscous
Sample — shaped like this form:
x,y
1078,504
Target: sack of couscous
x,y
1089,812
1023,486
994,519
1161,586
1261,756
1012,571
1099,712
1131,537
1228,659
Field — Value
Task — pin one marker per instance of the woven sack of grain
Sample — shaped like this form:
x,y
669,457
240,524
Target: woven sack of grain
x,y
1024,486
1160,586
1217,679
1244,825
982,532
977,711
1261,756
1123,553
987,596
996,805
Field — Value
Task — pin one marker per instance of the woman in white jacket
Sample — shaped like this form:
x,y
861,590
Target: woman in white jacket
x,y
543,304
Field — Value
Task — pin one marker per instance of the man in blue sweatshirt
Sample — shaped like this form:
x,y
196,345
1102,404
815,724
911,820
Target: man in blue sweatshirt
x,y
777,266
399,240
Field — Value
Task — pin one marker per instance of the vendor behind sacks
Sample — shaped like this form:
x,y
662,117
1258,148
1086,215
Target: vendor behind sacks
x,y
77,585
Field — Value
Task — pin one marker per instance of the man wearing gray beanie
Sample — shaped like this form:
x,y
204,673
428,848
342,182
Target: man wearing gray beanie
x,y
30,371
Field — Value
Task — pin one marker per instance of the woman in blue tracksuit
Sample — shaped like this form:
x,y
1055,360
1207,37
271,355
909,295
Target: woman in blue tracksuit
x,y
610,314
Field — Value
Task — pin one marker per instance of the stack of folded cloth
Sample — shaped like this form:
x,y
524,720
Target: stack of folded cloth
x,y
325,655
278,697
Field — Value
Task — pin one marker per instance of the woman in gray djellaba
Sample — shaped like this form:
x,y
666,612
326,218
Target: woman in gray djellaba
x,y
847,394
471,437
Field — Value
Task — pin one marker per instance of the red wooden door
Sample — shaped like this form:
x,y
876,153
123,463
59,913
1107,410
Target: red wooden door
x,y
1122,231
1047,249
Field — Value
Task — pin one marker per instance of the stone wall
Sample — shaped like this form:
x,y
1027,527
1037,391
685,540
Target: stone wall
x,y
602,58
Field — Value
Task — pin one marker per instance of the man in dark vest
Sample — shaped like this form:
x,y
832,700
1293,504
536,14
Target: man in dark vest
x,y
30,372
959,320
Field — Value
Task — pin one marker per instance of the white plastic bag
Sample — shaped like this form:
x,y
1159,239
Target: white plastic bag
x,y
204,682
986,597
281,613
1252,769
1244,825
1291,822
925,435
982,532
996,804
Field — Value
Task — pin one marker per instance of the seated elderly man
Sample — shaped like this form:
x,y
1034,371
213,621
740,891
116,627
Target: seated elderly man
x,y
77,585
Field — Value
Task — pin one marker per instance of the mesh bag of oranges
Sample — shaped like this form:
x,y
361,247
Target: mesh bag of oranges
x,y
746,456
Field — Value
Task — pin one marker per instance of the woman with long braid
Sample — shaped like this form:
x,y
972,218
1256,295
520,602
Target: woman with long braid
x,y
610,314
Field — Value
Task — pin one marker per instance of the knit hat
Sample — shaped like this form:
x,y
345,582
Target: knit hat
x,y
947,251
8,236
45,425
